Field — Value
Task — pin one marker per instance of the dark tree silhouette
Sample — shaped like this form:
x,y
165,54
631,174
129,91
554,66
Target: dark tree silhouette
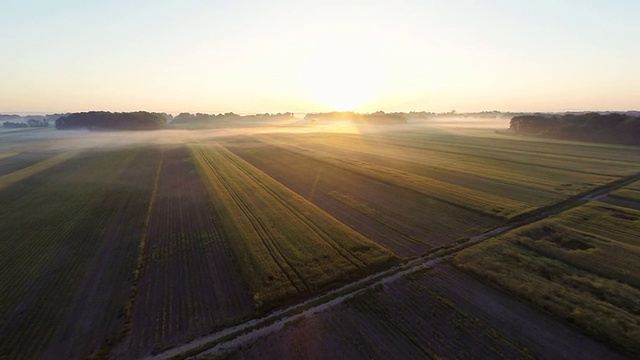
x,y
9,124
141,120
612,128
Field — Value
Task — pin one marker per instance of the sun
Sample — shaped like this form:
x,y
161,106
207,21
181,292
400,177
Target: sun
x,y
343,75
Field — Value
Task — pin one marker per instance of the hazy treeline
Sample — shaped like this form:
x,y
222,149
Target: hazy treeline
x,y
188,118
29,123
379,117
25,121
612,128
25,118
140,120
9,124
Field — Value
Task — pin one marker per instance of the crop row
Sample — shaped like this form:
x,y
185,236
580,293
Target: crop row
x,y
285,245
466,154
407,222
536,180
483,202
188,283
511,147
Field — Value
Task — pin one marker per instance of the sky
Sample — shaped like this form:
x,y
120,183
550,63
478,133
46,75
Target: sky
x,y
305,56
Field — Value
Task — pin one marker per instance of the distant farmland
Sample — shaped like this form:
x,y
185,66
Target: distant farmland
x,y
128,250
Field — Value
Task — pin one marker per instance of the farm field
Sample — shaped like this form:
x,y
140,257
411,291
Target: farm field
x,y
187,283
433,313
12,161
495,176
122,245
62,227
385,188
628,193
286,246
131,251
582,266
392,216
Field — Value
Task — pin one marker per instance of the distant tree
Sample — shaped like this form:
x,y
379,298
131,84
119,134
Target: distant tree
x,y
13,125
141,120
38,122
594,127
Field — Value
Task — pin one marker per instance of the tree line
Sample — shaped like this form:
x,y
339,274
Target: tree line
x,y
188,118
379,117
614,128
140,120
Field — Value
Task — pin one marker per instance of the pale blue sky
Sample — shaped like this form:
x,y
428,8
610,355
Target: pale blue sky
x,y
269,56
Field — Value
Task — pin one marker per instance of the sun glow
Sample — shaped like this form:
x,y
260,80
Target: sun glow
x,y
343,75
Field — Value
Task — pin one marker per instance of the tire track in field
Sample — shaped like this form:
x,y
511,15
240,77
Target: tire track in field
x,y
271,245
253,329
304,219
274,250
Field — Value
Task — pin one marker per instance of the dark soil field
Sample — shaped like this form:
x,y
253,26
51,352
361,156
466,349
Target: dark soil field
x,y
189,284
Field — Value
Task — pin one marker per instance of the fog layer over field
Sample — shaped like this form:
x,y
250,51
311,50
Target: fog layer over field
x,y
50,139
209,225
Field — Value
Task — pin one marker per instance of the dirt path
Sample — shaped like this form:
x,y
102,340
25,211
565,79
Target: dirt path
x,y
246,332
